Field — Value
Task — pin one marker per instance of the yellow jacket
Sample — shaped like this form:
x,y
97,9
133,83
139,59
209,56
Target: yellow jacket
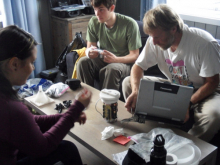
x,y
81,53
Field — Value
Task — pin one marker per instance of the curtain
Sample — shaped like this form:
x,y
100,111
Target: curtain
x,y
149,4
24,13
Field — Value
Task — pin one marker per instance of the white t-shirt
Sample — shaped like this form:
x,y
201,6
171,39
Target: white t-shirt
x,y
197,56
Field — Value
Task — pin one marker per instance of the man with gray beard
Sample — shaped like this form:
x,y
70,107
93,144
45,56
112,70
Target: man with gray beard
x,y
186,56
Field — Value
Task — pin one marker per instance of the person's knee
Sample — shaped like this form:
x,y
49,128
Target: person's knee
x,y
109,70
68,147
126,87
109,73
126,83
205,126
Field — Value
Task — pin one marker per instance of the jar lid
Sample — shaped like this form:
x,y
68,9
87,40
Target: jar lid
x,y
109,96
159,140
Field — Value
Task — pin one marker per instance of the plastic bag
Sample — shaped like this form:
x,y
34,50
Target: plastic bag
x,y
32,86
57,90
144,142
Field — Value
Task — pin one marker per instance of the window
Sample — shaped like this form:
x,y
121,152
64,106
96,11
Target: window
x,y
204,11
1,19
2,15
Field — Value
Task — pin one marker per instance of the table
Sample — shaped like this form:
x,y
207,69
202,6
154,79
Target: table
x,y
89,135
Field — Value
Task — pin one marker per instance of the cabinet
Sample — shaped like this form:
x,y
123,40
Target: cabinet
x,y
64,29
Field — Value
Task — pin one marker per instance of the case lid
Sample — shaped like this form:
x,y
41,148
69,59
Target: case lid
x,y
109,96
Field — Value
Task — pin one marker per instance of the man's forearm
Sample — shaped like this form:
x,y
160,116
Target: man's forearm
x,y
130,58
207,89
136,75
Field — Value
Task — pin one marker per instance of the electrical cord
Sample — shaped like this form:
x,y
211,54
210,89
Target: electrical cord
x,y
129,119
96,107
122,121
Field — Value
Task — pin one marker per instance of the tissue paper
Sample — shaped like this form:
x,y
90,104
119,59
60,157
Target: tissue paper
x,y
107,133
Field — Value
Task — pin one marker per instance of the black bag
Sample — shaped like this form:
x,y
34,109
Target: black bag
x,y
77,43
49,74
71,59
74,84
132,158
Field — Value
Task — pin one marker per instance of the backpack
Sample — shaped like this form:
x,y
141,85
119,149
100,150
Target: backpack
x,y
71,59
131,158
76,43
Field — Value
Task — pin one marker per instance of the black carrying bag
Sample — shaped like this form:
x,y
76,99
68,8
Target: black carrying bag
x,y
132,158
71,59
77,43
74,84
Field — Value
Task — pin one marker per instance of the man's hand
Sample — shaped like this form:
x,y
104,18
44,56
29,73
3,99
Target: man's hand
x,y
131,102
187,116
93,53
109,57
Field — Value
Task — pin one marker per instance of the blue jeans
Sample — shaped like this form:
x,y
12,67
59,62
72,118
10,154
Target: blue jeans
x,y
66,152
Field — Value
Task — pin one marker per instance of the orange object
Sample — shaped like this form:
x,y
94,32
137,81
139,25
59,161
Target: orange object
x,y
121,140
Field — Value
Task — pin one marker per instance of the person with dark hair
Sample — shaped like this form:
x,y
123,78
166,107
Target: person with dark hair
x,y
118,37
186,56
26,138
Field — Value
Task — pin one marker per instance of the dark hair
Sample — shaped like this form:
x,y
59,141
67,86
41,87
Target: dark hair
x,y
14,42
106,3
162,16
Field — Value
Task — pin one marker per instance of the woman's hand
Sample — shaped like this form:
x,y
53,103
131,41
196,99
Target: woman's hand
x,y
82,118
84,96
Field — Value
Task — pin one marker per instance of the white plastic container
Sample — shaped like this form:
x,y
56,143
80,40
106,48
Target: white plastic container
x,y
110,98
188,155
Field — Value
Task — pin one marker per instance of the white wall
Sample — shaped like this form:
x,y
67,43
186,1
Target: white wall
x,y
212,29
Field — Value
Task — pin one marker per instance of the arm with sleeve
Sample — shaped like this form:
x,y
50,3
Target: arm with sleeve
x,y
23,133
